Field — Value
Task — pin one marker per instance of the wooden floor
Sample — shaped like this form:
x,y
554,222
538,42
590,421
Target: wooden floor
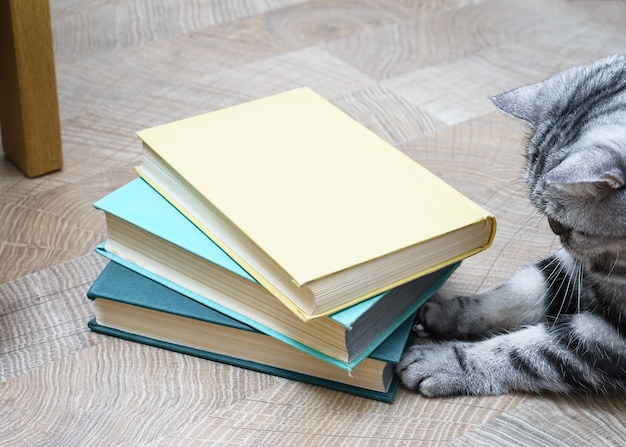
x,y
417,72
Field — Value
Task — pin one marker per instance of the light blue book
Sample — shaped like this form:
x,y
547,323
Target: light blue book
x,y
148,235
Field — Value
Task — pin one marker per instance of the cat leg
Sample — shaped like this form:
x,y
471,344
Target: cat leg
x,y
517,301
583,353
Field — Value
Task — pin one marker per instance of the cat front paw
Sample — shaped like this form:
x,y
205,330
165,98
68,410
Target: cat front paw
x,y
452,318
439,317
435,370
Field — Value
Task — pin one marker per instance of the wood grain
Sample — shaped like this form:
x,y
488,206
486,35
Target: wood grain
x,y
43,315
555,422
418,73
297,415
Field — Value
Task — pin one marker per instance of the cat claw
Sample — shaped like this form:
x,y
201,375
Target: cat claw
x,y
420,330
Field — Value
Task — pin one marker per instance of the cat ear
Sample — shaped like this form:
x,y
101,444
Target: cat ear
x,y
522,103
595,171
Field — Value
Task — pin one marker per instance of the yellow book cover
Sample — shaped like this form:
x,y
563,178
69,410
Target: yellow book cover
x,y
316,207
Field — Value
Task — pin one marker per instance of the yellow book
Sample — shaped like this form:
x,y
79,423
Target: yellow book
x,y
316,207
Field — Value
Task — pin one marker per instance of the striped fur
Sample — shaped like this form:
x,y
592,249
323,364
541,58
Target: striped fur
x,y
558,325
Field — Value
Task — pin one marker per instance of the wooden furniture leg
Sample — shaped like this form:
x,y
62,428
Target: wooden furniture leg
x,y
29,111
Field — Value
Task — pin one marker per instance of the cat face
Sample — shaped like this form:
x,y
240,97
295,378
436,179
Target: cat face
x,y
576,153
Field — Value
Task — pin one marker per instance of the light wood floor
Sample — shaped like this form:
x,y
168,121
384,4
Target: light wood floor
x,y
419,73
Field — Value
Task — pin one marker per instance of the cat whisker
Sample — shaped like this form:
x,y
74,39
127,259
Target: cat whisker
x,y
572,279
580,284
554,296
559,294
549,281
519,229
617,258
509,202
493,168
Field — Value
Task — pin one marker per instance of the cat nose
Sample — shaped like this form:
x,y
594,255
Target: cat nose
x,y
556,227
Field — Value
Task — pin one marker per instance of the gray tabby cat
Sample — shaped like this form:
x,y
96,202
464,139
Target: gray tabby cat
x,y
560,323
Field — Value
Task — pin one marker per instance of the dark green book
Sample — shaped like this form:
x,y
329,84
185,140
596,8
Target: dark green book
x,y
131,306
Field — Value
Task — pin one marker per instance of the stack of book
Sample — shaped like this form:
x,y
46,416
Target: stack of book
x,y
280,235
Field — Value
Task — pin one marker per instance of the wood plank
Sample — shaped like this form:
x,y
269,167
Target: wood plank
x,y
294,414
417,72
589,421
44,316
118,393
53,226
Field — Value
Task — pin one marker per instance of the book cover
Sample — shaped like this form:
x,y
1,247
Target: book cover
x,y
131,306
317,208
148,235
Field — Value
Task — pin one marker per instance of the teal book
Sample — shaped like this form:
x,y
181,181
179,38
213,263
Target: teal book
x,y
130,306
148,235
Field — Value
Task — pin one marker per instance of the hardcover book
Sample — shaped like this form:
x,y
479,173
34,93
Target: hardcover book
x,y
131,306
148,235
317,208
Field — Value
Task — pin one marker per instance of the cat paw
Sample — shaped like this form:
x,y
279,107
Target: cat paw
x,y
438,317
435,370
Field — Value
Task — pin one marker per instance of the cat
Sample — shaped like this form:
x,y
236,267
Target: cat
x,y
558,325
